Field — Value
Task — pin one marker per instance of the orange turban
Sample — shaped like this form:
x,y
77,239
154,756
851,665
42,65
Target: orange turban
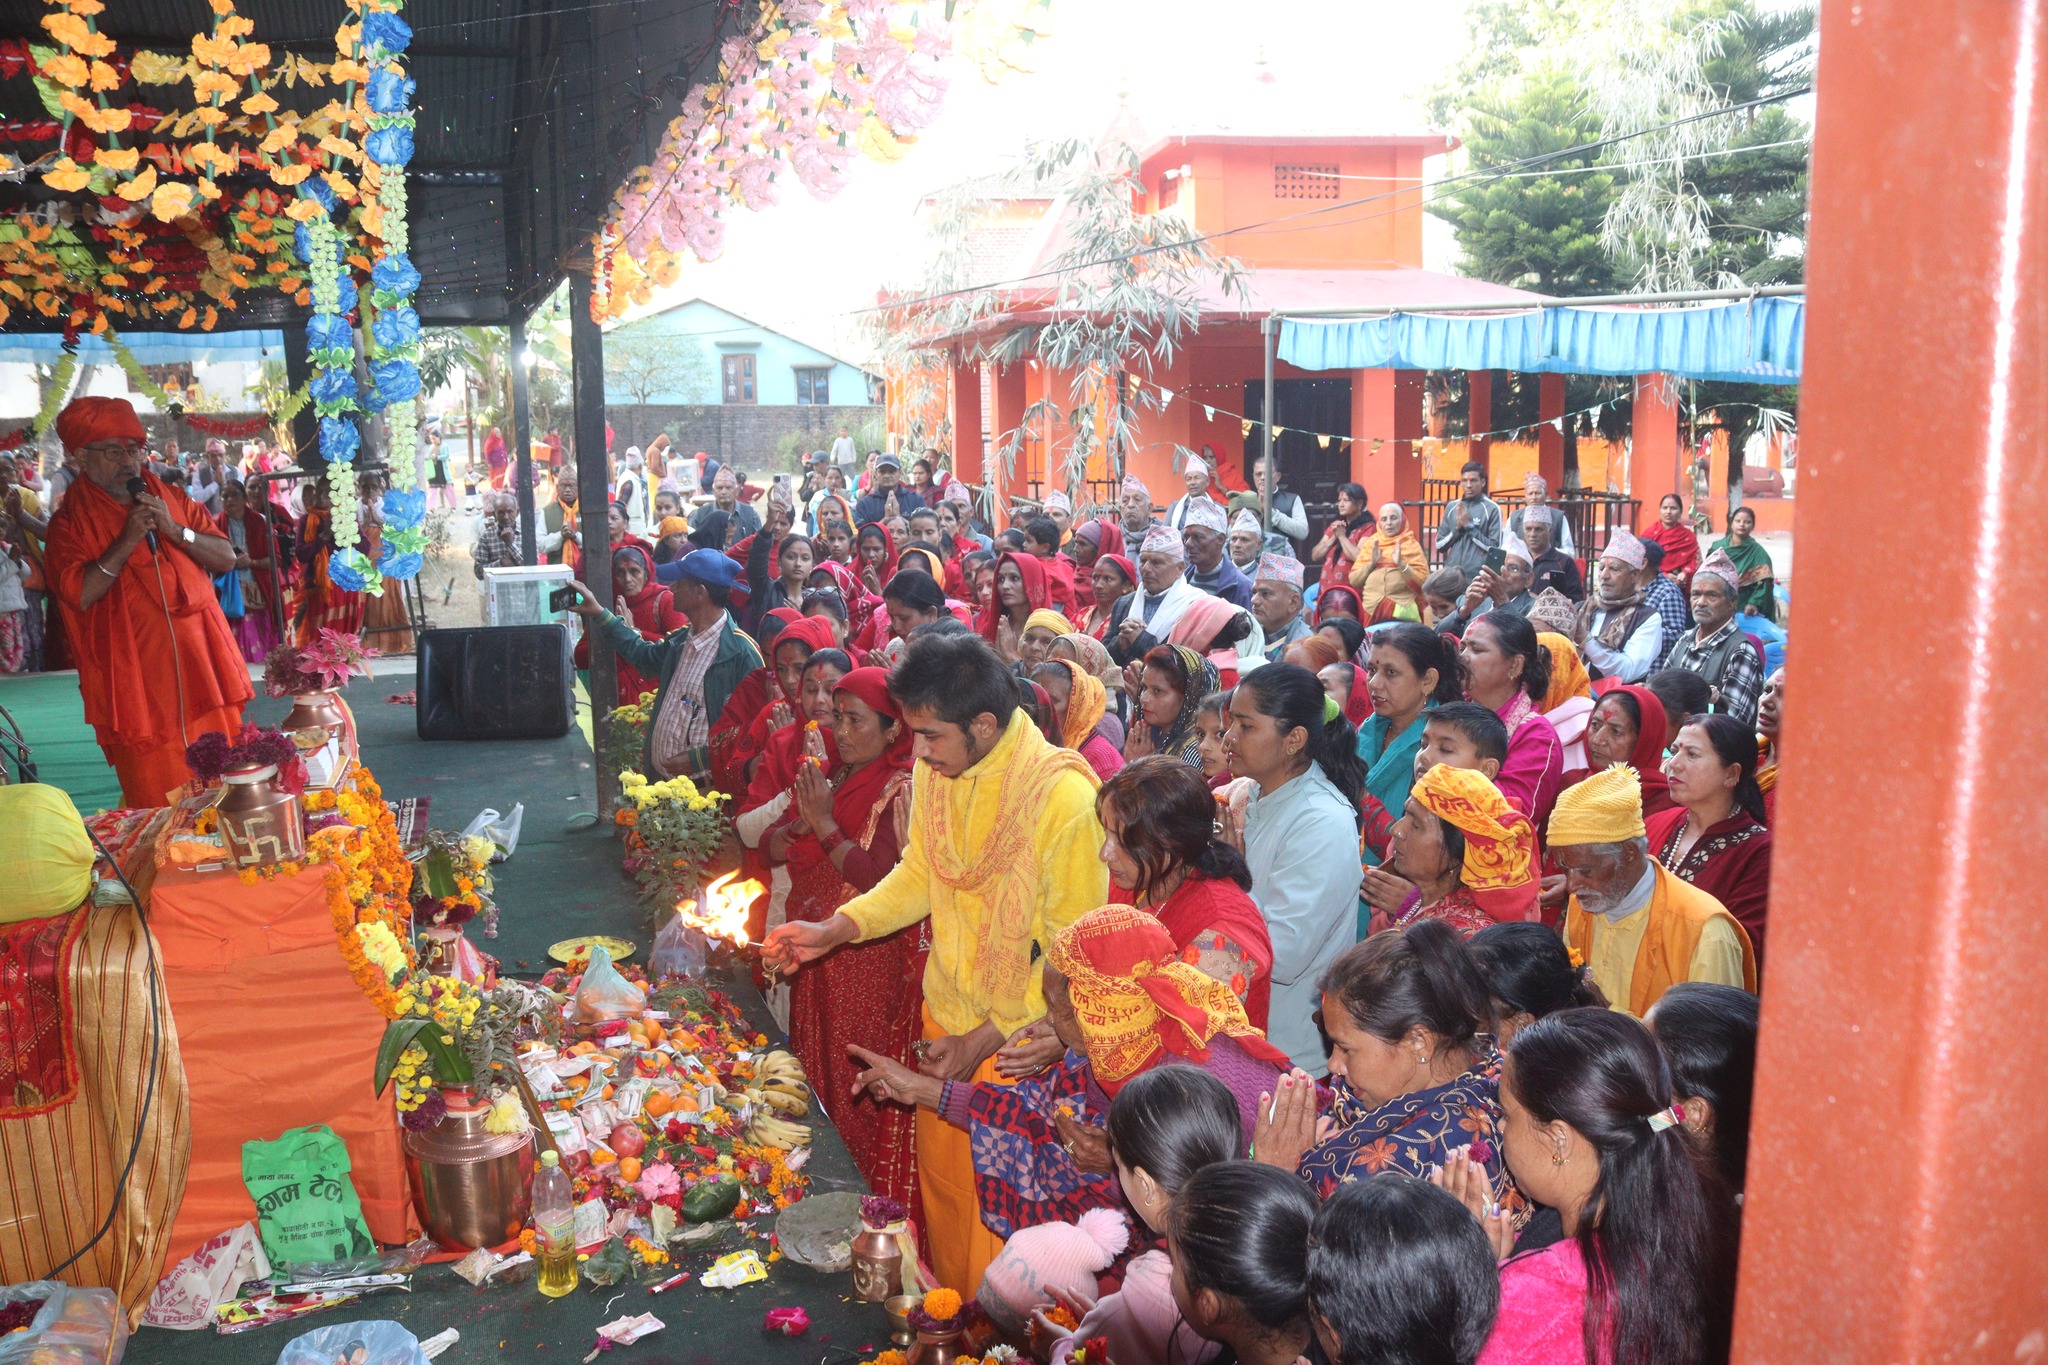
x,y
86,420
1499,872
1135,999
1567,673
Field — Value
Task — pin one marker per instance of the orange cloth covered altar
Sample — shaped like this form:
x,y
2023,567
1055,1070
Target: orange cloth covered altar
x,y
275,1035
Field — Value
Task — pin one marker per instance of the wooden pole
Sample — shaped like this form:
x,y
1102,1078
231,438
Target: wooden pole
x,y
593,489
522,437
1897,1206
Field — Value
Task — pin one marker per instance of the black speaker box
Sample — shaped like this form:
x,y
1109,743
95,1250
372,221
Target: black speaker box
x,y
495,682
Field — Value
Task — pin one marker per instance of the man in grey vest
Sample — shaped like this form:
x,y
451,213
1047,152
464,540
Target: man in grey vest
x,y
1717,648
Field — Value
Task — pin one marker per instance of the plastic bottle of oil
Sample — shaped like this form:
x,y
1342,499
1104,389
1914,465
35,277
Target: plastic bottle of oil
x,y
554,1223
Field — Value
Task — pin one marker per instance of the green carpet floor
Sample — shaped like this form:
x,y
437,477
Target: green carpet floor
x,y
559,882
46,708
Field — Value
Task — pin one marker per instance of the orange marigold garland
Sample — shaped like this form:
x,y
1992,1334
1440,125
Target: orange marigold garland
x,y
369,882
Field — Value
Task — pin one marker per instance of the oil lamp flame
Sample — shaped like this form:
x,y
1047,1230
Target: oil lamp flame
x,y
721,909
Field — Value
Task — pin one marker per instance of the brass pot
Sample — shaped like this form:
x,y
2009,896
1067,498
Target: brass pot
x,y
935,1348
877,1264
472,1188
260,822
323,709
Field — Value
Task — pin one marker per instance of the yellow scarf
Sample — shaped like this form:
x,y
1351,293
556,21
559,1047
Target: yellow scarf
x,y
1004,870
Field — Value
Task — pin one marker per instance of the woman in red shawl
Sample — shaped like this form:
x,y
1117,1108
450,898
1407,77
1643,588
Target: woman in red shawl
x,y
1714,835
838,838
1158,818
495,458
1628,725
1112,576
648,606
874,630
874,557
794,645
1681,546
322,605
852,592
805,738
731,750
1091,540
1021,589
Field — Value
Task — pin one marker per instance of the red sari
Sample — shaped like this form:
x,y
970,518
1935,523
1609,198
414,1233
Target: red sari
x,y
1730,862
322,605
1681,551
870,994
1221,933
656,618
731,741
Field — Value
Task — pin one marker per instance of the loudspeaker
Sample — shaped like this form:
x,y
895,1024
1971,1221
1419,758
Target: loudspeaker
x,y
495,682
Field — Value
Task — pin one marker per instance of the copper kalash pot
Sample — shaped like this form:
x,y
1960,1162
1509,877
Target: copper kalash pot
x,y
471,1186
260,822
324,710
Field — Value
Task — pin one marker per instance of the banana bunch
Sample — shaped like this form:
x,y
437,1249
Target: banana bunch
x,y
780,1085
772,1130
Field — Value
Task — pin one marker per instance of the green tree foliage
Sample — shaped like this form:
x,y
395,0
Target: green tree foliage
x,y
1539,232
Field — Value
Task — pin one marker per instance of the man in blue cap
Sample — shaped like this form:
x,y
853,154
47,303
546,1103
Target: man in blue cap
x,y
698,669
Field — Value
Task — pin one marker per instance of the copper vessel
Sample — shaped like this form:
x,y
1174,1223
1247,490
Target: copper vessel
x,y
260,822
316,708
877,1264
327,711
935,1348
472,1188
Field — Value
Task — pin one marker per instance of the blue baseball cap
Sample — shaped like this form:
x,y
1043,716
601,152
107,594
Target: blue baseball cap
x,y
710,566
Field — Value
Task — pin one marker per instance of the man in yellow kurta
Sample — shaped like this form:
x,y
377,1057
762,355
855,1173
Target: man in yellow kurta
x,y
1639,929
1004,849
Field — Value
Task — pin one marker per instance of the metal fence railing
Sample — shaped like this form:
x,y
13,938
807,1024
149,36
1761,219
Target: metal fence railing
x,y
1592,515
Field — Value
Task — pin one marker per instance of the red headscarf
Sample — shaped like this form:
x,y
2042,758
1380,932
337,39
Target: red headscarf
x,y
859,602
814,631
1358,701
861,791
1037,592
643,604
1136,1000
888,550
1329,596
1647,758
1105,534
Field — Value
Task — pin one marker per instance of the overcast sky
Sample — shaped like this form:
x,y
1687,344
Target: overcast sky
x,y
1357,65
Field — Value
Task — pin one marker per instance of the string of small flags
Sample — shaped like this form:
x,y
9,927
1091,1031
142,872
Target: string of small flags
x,y
1323,439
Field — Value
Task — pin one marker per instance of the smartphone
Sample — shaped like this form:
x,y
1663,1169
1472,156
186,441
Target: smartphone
x,y
1495,558
562,599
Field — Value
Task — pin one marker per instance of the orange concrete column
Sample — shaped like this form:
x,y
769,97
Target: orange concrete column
x,y
1897,1204
1549,440
1479,417
1010,389
1653,459
1386,406
966,417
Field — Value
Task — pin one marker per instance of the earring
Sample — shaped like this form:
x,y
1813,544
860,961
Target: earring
x,y
1557,1158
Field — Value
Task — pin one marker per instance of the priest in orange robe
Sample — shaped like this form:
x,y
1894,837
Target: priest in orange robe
x,y
132,574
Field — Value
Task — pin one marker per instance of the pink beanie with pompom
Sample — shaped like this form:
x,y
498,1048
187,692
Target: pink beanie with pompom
x,y
1066,1256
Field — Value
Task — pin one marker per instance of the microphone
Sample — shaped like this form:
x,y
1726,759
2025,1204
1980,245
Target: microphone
x,y
136,488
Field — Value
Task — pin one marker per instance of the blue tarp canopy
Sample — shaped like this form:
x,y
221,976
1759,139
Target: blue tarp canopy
x,y
1756,341
150,348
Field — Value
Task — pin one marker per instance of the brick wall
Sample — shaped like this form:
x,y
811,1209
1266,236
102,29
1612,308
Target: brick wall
x,y
745,434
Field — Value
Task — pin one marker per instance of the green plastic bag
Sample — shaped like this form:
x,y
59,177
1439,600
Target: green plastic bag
x,y
306,1206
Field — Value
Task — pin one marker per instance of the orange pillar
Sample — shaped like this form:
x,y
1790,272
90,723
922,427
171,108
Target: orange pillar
x,y
1897,1205
1011,398
1549,440
1653,458
1479,417
965,412
1386,422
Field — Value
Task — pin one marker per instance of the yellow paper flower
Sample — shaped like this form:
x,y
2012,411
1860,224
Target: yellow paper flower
x,y
140,188
66,69
66,175
171,201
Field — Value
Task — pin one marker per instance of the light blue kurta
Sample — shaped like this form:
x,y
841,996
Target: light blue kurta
x,y
1299,843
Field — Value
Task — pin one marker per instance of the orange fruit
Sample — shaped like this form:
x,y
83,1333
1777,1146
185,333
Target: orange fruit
x,y
658,1103
629,1169
601,1157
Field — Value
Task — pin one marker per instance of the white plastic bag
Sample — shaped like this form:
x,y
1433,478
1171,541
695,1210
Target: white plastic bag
x,y
502,830
372,1343
73,1326
186,1296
